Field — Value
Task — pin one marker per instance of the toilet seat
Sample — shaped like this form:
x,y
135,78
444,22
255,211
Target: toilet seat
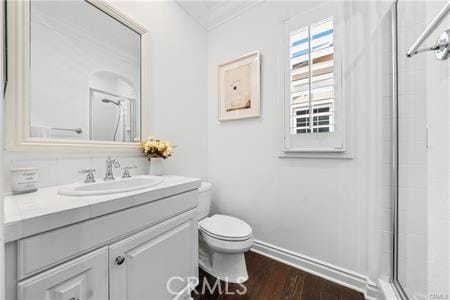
x,y
223,240
225,228
226,246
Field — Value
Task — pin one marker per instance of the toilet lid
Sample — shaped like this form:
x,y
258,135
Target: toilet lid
x,y
225,227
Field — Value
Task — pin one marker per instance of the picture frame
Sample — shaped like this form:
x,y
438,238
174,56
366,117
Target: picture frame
x,y
239,94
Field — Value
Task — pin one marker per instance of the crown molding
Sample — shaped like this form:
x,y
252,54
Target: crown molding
x,y
211,15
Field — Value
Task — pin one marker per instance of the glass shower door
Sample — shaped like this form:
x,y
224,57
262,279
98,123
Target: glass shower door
x,y
422,140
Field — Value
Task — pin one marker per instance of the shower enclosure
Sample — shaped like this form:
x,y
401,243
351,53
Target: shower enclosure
x,y
421,132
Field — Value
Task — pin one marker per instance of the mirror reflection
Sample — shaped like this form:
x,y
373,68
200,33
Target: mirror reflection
x,y
85,74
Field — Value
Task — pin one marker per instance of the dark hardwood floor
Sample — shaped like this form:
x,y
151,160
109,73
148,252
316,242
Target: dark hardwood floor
x,y
272,280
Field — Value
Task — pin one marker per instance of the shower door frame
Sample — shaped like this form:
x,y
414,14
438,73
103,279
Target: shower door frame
x,y
401,293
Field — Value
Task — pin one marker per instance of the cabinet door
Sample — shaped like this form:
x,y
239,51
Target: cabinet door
x,y
142,265
83,278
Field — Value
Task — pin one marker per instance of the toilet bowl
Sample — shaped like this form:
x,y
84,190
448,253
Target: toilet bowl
x,y
222,241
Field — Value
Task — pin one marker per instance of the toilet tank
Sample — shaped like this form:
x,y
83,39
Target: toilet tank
x,y
204,199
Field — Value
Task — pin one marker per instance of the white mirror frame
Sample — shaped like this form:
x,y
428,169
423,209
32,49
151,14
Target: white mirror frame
x,y
17,94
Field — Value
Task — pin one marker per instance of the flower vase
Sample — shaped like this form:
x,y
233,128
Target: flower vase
x,y
155,167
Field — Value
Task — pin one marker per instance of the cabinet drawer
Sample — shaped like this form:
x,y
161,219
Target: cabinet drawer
x,y
83,278
39,252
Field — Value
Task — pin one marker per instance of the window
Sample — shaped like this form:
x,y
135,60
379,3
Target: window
x,y
312,78
313,105
322,116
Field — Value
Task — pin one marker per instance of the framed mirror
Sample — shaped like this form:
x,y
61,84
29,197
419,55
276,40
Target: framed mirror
x,y
78,77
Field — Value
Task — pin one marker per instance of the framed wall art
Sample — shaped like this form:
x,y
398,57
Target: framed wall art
x,y
239,88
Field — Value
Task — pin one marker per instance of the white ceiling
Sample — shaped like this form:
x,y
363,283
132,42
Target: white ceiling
x,y
211,13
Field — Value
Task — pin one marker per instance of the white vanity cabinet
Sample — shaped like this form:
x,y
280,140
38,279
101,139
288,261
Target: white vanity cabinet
x,y
84,278
156,261
128,254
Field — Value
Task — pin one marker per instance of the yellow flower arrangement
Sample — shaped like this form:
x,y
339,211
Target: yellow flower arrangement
x,y
154,147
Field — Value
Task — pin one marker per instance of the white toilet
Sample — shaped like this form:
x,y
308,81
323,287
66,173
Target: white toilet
x,y
222,241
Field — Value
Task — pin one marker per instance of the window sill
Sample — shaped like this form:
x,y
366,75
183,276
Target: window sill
x,y
329,155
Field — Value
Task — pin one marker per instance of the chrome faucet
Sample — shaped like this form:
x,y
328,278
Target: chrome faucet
x,y
109,175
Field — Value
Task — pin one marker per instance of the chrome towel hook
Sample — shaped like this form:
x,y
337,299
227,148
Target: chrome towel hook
x,y
442,47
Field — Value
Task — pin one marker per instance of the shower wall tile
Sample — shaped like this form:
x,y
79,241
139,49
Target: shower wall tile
x,y
412,90
438,95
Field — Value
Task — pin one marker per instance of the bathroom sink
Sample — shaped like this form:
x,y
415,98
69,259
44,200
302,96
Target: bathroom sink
x,y
110,187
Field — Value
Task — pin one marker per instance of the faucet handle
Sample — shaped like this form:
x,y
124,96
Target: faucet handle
x,y
126,171
116,164
90,175
85,171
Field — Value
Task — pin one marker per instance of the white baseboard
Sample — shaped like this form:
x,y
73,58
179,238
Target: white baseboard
x,y
319,268
388,290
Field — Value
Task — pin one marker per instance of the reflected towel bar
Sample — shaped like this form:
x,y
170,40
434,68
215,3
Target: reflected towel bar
x,y
77,130
428,31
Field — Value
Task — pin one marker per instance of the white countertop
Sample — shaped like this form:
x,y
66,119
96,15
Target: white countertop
x,y
33,213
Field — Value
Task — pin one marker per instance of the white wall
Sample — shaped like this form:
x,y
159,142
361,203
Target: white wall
x,y
178,101
332,210
178,85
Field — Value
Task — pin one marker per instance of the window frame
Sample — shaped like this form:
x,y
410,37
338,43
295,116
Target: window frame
x,y
316,144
